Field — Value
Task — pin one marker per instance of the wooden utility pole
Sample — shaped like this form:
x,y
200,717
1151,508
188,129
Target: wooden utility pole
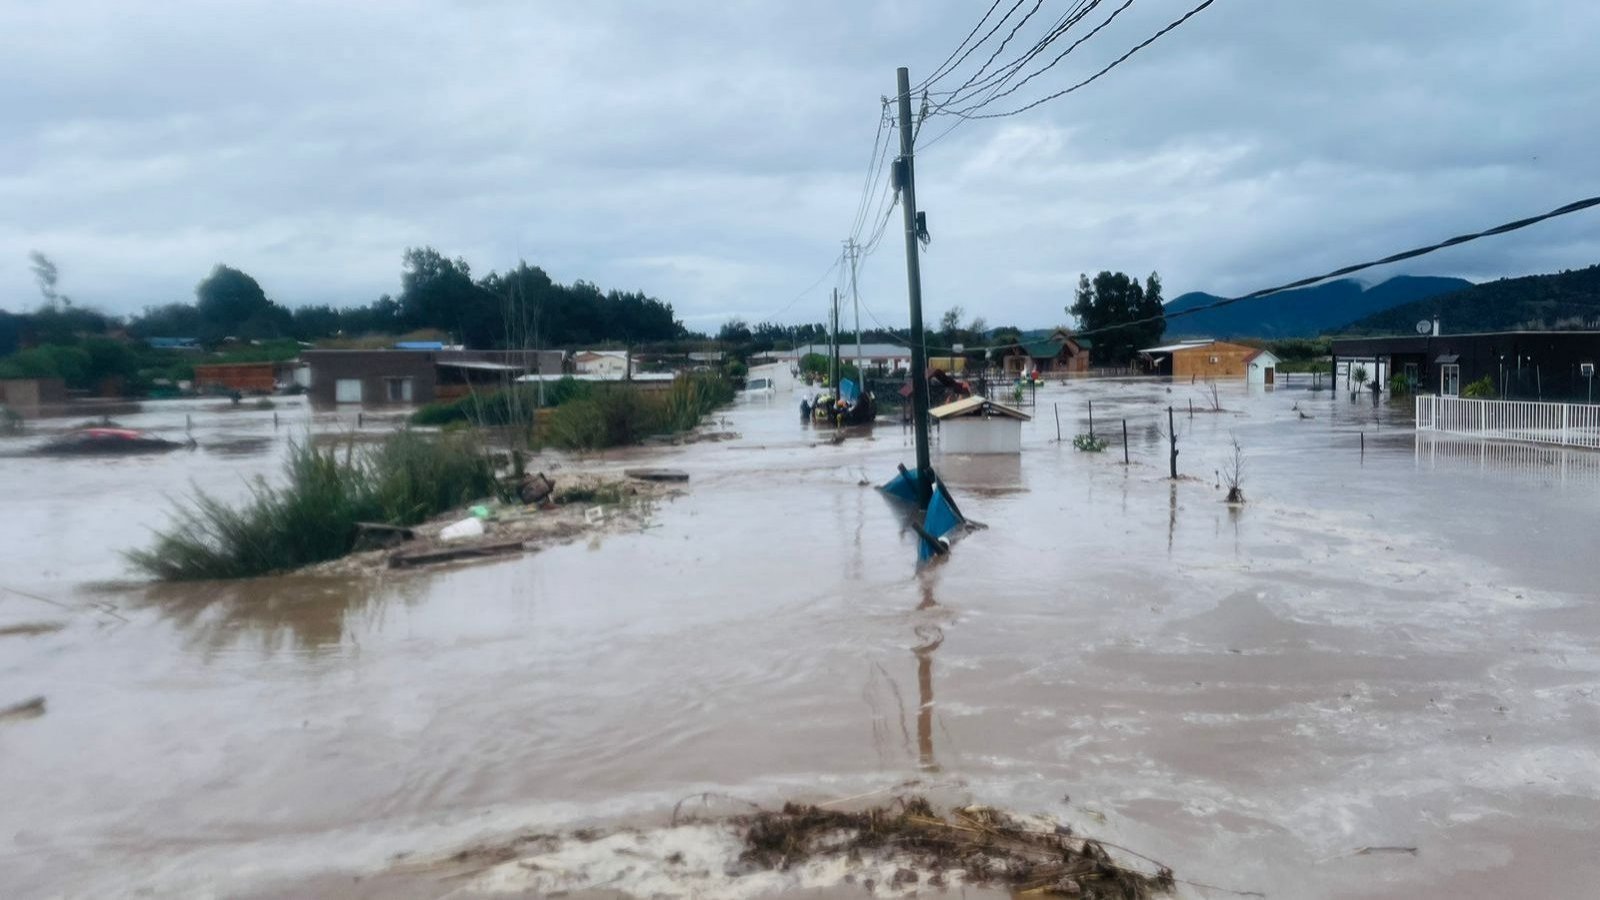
x,y
906,175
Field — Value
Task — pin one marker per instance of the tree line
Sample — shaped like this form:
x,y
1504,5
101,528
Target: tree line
x,y
522,306
1124,314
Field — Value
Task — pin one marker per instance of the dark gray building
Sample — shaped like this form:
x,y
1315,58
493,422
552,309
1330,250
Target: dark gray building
x,y
380,377
1522,365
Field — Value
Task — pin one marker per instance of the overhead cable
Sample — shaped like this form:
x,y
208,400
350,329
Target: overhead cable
x,y
1092,78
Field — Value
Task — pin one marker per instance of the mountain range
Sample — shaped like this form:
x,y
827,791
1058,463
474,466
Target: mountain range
x,y
1310,311
1562,300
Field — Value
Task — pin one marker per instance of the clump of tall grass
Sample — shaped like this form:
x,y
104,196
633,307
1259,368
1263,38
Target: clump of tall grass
x,y
311,517
614,415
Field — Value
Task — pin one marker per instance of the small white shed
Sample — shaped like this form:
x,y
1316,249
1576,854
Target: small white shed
x,y
1262,368
977,425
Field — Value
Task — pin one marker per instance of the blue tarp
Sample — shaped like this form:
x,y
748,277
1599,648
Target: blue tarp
x,y
903,486
849,391
940,521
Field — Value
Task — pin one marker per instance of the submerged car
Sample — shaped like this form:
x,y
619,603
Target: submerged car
x,y
108,440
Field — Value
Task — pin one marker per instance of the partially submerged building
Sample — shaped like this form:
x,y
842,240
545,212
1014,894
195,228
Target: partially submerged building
x,y
979,425
877,357
1262,368
376,377
1524,365
1203,359
31,396
244,378
612,364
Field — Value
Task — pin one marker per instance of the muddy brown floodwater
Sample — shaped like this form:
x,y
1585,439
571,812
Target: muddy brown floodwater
x,y
1395,649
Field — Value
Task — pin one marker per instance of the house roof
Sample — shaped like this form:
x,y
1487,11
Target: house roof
x,y
1048,348
847,351
479,365
976,406
590,376
1181,345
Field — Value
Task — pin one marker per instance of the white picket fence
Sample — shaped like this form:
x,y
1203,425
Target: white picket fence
x,y
1564,424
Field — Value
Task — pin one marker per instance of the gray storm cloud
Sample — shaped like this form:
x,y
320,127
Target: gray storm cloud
x,y
713,154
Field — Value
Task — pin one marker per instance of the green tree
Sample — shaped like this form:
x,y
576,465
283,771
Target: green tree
x,y
169,320
950,323
232,303
70,364
1006,334
438,292
1123,315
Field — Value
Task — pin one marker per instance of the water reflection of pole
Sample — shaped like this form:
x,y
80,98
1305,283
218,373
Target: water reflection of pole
x,y
1172,513
931,636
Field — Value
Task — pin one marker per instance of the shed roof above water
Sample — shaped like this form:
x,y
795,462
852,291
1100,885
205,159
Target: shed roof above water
x,y
976,406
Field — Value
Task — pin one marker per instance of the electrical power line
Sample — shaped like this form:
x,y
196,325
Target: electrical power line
x,y
1092,78
997,94
1573,207
999,76
940,71
800,296
928,83
1000,49
875,163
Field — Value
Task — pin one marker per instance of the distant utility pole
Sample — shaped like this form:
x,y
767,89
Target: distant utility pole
x,y
906,175
833,349
853,253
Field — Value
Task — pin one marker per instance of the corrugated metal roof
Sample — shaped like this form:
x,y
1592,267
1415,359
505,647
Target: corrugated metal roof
x,y
975,406
480,365
1173,348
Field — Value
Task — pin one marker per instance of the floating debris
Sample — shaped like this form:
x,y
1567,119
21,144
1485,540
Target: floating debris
x,y
657,474
30,629
31,708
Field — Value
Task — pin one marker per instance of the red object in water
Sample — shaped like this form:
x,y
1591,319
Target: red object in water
x,y
107,440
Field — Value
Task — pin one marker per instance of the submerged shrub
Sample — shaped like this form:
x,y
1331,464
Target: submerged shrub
x,y
1089,443
614,415
311,517
1482,389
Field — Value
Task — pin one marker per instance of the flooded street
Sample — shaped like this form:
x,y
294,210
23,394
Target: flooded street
x,y
1388,648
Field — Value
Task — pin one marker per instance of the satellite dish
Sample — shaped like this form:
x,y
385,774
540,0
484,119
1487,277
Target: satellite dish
x,y
1424,327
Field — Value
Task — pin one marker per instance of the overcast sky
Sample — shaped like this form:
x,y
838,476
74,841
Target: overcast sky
x,y
713,154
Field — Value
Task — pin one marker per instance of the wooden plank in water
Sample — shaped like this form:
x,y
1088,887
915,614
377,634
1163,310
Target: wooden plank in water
x,y
657,474
450,554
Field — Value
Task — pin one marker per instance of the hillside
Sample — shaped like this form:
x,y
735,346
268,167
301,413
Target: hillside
x,y
1306,312
1563,300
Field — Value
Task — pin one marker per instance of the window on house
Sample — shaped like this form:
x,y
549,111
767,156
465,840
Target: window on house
x,y
398,389
1450,380
347,390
